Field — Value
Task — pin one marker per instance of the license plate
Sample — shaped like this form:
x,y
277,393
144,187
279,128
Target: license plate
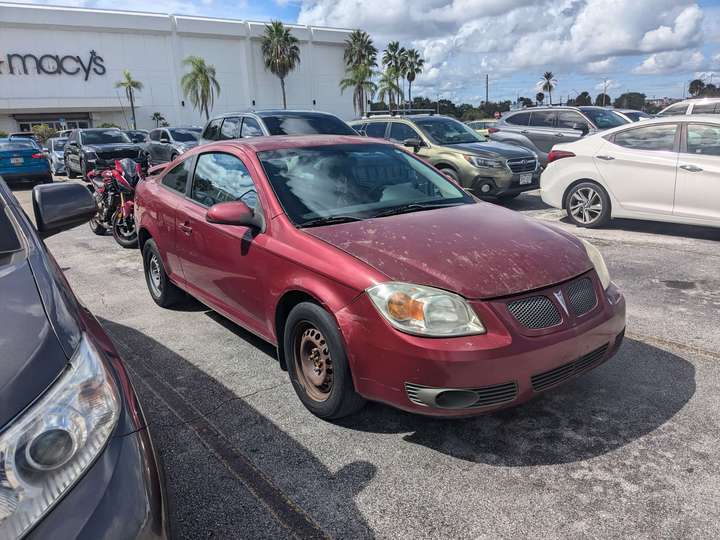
x,y
526,179
17,161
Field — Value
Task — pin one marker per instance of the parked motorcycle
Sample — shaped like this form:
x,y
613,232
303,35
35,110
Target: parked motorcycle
x,y
114,189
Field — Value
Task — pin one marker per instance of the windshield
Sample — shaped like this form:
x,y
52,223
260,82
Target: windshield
x,y
445,131
184,135
104,137
604,118
353,180
306,124
59,144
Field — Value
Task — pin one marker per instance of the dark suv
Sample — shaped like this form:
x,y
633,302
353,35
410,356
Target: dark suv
x,y
273,122
541,128
87,149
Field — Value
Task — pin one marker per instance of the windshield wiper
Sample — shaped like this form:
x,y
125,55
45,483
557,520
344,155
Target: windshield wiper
x,y
331,220
413,207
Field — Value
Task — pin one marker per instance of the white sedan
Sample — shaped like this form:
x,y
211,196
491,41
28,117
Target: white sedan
x,y
665,169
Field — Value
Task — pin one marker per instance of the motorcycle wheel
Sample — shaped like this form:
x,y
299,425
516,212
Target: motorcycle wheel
x,y
124,232
96,226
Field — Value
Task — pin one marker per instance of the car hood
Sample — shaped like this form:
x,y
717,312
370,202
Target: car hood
x,y
111,147
476,250
491,149
186,145
32,357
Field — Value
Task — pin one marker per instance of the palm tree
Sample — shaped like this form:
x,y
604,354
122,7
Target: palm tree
x,y
359,78
280,52
199,84
540,97
131,86
157,118
547,83
360,50
393,59
696,87
388,87
413,67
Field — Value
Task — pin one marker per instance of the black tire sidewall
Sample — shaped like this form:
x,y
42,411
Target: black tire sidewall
x,y
343,399
170,294
451,173
122,241
604,217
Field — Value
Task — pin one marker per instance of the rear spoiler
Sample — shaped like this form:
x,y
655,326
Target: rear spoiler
x,y
157,169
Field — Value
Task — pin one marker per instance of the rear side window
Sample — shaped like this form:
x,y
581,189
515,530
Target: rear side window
x,y
402,132
657,138
250,128
703,139
212,131
220,178
230,129
177,178
306,124
544,119
360,128
154,135
706,108
519,119
680,108
376,129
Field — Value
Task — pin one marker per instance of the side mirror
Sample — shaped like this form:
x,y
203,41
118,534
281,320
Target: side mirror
x,y
59,207
234,213
415,144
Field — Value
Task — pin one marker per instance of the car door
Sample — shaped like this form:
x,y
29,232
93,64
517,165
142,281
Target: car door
x,y
400,132
152,146
639,166
223,264
376,129
541,130
165,146
230,128
72,151
571,126
697,190
250,128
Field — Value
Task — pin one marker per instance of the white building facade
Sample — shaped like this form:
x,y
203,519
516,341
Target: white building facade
x,y
59,66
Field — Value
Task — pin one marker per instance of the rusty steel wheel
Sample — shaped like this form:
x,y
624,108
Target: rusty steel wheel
x,y
313,363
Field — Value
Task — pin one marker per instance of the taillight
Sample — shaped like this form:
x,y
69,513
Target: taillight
x,y
554,155
493,130
38,156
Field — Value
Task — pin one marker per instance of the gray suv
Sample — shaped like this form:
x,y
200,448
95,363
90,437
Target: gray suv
x,y
541,128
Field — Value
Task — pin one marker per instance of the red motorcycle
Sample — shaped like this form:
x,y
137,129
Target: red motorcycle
x,y
114,191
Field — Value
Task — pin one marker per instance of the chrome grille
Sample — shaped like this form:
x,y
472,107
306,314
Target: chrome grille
x,y
535,312
119,154
545,380
520,165
581,295
487,396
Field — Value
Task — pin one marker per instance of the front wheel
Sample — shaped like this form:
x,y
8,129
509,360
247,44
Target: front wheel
x,y
123,230
317,363
163,292
588,205
68,170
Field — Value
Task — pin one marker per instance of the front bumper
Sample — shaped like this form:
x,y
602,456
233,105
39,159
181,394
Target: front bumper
x,y
119,497
384,361
509,184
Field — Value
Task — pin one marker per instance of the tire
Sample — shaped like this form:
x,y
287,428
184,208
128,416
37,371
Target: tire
x,y
163,292
173,157
68,170
125,236
451,173
588,205
84,171
311,336
97,227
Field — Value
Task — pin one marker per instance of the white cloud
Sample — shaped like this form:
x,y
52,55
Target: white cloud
x,y
608,85
686,32
601,66
670,62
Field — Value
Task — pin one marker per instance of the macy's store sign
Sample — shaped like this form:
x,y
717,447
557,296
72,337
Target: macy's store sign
x,y
52,64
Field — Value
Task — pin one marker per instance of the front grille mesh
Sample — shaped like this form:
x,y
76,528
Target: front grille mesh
x,y
487,396
582,296
545,380
535,312
519,165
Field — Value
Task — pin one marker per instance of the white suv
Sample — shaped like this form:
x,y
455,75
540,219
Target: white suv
x,y
693,106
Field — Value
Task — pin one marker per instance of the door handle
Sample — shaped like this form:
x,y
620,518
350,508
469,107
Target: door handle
x,y
691,168
605,158
524,131
187,229
559,135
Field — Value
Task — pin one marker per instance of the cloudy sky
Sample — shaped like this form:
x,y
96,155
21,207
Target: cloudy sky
x,y
651,46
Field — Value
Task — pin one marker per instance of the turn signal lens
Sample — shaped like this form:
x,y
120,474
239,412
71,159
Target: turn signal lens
x,y
403,308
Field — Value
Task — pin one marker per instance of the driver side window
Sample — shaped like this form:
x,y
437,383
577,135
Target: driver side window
x,y
221,177
400,132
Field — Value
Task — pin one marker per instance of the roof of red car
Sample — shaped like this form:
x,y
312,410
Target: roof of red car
x,y
260,144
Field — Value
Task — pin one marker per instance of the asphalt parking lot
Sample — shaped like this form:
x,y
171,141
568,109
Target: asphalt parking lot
x,y
629,449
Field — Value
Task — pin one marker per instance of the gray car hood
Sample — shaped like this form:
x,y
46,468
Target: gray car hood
x,y
492,149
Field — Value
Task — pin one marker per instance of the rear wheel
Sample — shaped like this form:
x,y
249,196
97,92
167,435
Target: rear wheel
x,y
588,205
163,292
317,363
97,227
447,171
123,231
69,171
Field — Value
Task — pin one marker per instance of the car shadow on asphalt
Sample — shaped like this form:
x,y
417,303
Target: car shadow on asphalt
x,y
695,232
628,397
208,438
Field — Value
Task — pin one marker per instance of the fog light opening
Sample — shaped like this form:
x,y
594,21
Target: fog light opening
x,y
455,399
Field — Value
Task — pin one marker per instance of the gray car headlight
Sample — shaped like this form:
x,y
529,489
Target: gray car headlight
x,y
598,262
49,447
425,311
485,163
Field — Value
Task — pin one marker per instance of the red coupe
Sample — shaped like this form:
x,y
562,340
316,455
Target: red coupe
x,y
376,276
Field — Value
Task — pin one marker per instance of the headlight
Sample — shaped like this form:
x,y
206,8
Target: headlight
x,y
50,446
485,163
598,262
425,311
